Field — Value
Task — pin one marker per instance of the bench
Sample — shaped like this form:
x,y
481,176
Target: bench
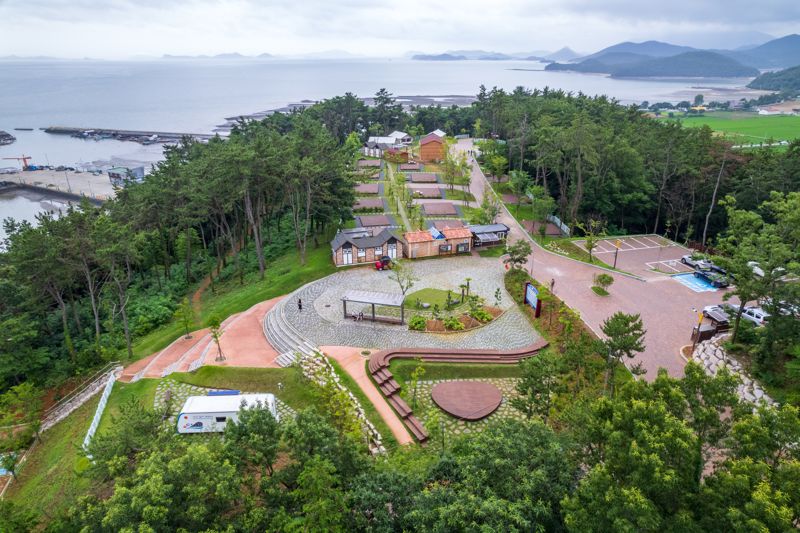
x,y
417,429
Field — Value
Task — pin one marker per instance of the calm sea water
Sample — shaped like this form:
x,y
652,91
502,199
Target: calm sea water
x,y
194,96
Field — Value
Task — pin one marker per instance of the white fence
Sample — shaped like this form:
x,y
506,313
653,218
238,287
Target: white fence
x,y
98,414
561,226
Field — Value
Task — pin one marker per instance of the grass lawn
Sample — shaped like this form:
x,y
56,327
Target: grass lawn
x,y
493,251
296,392
748,127
459,195
402,369
471,214
369,409
282,276
431,296
144,390
50,481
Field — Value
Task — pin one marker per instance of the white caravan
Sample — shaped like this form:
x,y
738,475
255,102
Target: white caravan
x,y
210,414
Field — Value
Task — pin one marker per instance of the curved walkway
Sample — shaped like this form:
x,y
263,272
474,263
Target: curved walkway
x,y
354,364
668,309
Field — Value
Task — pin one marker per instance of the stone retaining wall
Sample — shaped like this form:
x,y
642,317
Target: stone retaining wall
x,y
712,356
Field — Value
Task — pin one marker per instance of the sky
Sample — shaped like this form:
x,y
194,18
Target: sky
x,y
117,29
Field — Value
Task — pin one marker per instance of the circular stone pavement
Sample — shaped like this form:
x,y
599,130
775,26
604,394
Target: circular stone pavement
x,y
467,400
321,321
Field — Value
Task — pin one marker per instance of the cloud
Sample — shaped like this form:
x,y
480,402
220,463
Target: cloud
x,y
119,28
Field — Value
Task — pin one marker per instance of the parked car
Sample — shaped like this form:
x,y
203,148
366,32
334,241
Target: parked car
x,y
714,278
756,315
784,308
717,313
695,262
384,263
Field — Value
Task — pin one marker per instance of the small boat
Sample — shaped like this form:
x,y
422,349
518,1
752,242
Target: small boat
x,y
23,129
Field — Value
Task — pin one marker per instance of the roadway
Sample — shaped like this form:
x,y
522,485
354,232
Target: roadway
x,y
668,309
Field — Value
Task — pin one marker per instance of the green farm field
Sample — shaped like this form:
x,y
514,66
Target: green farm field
x,y
749,127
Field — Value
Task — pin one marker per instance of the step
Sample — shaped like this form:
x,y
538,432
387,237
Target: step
x,y
286,359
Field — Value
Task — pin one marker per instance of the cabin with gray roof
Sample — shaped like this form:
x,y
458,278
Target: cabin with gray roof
x,y
360,246
488,234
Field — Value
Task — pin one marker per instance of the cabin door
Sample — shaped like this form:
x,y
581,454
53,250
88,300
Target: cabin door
x,y
393,251
347,255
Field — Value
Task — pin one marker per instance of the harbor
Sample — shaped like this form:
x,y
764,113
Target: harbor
x,y
68,185
142,137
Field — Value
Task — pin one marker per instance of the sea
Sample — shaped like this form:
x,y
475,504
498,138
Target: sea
x,y
196,95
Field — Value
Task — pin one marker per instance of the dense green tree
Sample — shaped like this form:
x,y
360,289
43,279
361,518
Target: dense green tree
x,y
540,382
624,338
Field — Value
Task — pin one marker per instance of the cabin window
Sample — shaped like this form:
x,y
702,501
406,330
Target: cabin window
x,y
378,251
221,418
362,252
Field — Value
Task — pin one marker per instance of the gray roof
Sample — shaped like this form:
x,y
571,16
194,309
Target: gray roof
x,y
370,297
362,240
488,228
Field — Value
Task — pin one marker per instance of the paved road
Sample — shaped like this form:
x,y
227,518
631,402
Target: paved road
x,y
666,307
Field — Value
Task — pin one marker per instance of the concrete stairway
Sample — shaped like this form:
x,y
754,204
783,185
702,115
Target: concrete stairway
x,y
284,337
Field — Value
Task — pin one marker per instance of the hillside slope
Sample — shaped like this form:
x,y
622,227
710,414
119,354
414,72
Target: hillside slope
x,y
783,80
781,53
696,64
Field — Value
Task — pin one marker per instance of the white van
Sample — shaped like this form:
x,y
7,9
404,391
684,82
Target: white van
x,y
210,414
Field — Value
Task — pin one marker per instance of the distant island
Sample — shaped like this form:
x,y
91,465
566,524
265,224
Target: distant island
x,y
787,80
659,59
437,57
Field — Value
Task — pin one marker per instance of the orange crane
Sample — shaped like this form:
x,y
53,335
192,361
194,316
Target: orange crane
x,y
24,159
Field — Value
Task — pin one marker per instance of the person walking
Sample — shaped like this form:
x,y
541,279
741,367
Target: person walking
x,y
552,284
299,304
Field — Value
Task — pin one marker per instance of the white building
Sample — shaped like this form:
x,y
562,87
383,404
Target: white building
x,y
401,137
210,414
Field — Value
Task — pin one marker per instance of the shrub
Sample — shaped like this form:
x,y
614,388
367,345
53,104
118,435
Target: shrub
x,y
600,291
453,323
417,323
480,314
603,280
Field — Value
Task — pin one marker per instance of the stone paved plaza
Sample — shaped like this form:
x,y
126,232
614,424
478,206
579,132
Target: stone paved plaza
x,y
452,425
322,321
181,391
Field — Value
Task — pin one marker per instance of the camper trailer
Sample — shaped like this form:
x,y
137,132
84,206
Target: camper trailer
x,y
210,414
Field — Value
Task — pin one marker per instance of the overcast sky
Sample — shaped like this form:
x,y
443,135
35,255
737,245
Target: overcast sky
x,y
126,28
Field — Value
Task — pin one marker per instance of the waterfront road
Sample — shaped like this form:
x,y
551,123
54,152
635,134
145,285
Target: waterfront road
x,y
668,309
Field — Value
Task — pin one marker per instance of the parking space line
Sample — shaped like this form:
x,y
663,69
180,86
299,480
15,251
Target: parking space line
x,y
640,242
655,244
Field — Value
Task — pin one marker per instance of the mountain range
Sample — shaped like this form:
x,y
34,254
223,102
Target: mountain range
x,y
660,59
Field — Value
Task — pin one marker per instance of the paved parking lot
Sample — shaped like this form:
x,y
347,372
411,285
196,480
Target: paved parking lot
x,y
649,256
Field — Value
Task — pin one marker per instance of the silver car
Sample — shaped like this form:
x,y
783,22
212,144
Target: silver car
x,y
700,263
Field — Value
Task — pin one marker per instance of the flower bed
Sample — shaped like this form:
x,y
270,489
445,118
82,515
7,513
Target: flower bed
x,y
437,325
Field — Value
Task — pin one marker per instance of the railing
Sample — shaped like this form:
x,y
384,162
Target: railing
x,y
561,226
80,389
98,414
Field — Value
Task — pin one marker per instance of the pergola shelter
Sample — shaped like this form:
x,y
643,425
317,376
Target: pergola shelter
x,y
373,299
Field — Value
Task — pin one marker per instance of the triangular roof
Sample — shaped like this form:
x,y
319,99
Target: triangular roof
x,y
364,241
431,138
438,133
398,134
